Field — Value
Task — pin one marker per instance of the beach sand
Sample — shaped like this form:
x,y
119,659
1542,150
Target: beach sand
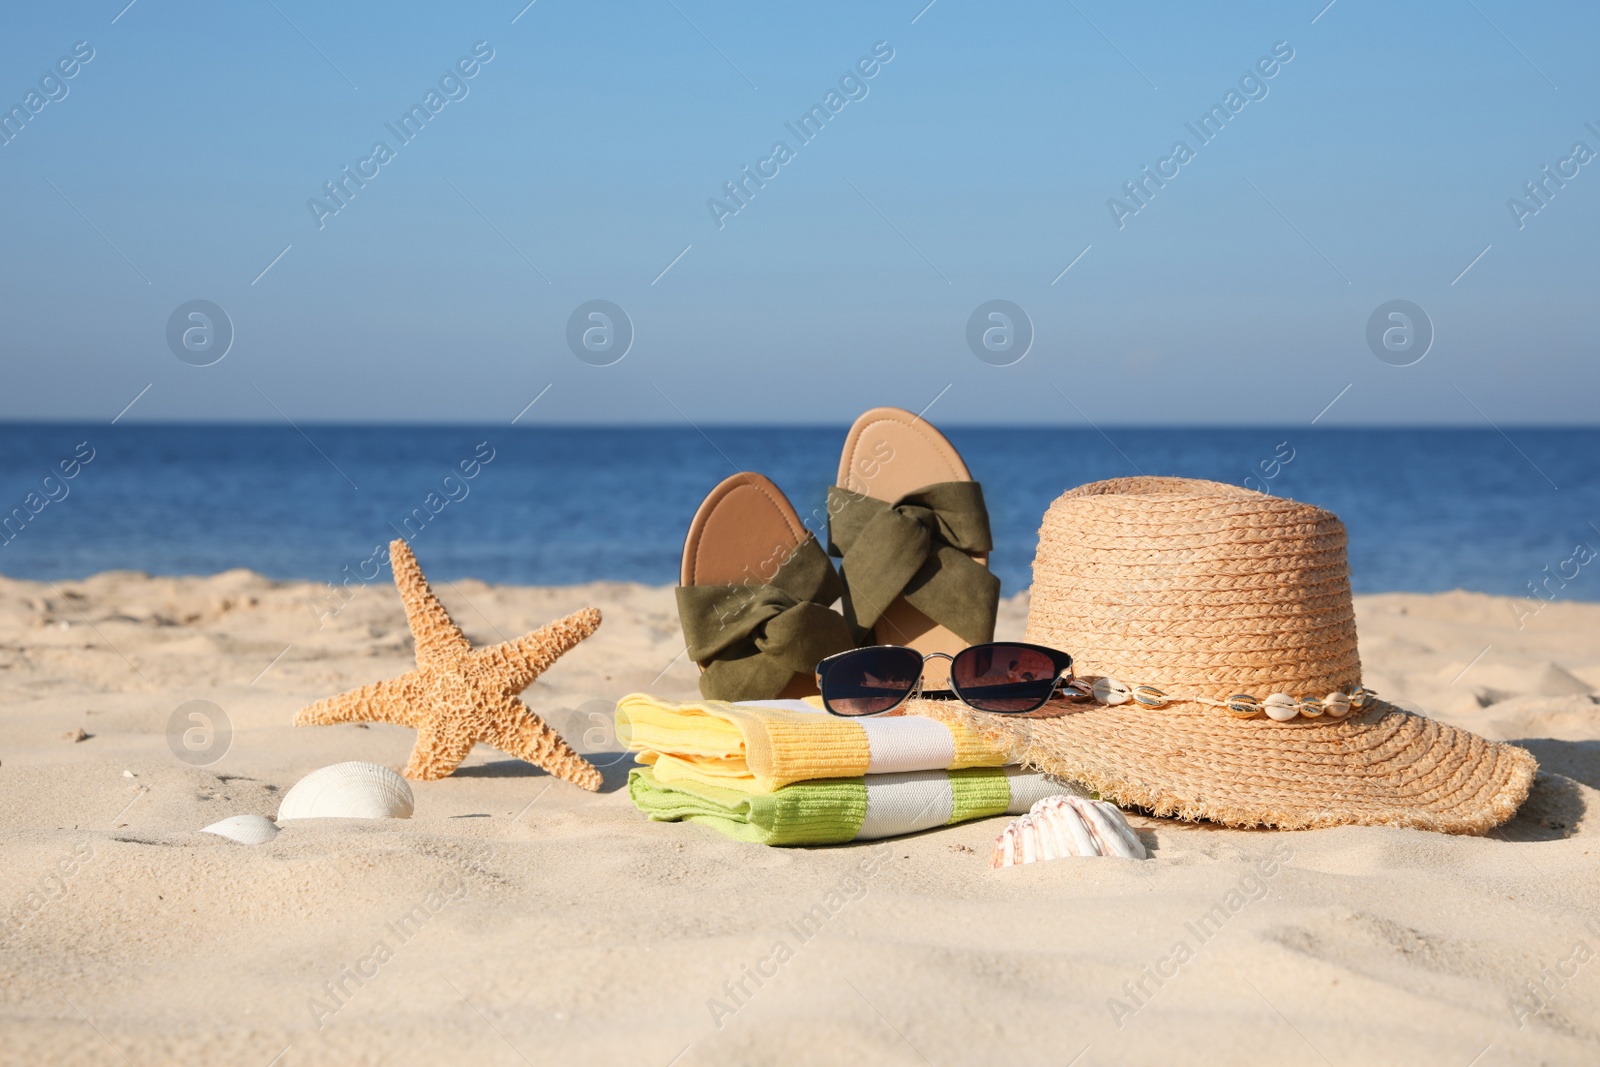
x,y
558,926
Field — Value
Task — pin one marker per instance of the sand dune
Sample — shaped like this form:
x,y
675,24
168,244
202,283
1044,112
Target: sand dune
x,y
515,920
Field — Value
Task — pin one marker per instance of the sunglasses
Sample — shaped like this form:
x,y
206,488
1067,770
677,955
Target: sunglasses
x,y
1003,677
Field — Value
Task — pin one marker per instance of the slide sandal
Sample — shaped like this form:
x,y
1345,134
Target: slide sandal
x,y
913,533
755,597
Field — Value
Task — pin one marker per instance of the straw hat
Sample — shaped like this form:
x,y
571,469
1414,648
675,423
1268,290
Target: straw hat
x,y
1193,597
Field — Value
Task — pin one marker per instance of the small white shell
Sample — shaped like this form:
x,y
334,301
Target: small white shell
x,y
348,791
1061,826
1111,691
1337,705
1280,707
245,829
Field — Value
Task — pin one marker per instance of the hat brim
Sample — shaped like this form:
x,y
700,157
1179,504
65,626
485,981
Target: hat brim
x,y
1382,766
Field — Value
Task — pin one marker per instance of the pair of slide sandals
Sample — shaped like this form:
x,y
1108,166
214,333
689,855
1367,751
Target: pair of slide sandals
x,y
910,526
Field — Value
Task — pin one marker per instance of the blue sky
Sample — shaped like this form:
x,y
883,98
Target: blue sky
x,y
977,166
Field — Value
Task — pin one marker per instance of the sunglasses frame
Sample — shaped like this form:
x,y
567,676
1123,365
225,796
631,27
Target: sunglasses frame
x,y
1065,684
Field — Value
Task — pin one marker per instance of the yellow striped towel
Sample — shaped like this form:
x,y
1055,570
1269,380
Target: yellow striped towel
x,y
765,745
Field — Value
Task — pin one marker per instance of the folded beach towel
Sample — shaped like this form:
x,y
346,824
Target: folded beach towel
x,y
766,745
836,810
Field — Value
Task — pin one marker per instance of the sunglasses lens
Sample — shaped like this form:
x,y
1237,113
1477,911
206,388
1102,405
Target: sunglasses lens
x,y
870,681
1003,678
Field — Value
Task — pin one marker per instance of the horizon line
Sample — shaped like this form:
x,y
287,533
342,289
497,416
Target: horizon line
x,y
679,424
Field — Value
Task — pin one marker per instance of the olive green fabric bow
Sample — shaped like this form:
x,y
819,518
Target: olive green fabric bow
x,y
917,547
753,639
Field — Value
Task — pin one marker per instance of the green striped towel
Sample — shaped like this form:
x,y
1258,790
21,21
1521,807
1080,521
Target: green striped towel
x,y
830,811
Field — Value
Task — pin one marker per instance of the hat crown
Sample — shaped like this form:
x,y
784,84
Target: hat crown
x,y
1196,587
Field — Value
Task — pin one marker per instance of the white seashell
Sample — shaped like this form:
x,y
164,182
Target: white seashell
x,y
1111,827
1063,832
245,829
1280,707
1111,691
1061,826
1015,844
348,791
1337,705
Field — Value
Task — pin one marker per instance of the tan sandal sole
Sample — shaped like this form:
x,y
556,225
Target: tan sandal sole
x,y
741,534
888,453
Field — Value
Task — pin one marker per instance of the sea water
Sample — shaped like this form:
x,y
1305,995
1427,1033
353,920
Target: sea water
x,y
1426,509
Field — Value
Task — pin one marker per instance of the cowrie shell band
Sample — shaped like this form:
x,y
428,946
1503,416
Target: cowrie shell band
x,y
1279,707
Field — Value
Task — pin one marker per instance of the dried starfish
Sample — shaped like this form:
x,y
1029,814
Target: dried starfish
x,y
459,695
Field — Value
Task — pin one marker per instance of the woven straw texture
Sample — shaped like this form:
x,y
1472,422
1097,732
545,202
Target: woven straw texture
x,y
1203,589
1381,767
1196,588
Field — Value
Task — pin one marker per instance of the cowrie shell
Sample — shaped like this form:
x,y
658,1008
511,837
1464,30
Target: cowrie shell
x,y
1111,691
1244,705
1280,707
1149,696
1336,704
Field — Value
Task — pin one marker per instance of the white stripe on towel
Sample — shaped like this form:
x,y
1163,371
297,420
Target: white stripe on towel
x,y
905,803
1029,787
908,743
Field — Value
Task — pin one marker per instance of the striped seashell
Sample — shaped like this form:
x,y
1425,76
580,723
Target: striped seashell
x,y
1280,707
1061,826
1336,704
1076,690
1111,691
348,791
1149,696
1361,697
1244,705
1311,707
245,829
